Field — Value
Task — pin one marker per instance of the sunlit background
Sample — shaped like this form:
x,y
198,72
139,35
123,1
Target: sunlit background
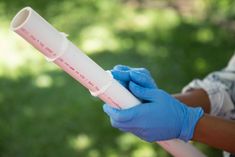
x,y
45,113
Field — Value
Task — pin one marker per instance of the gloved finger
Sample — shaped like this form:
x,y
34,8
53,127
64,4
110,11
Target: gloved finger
x,y
142,79
142,93
127,68
125,75
119,125
124,129
142,70
121,67
118,115
123,83
124,126
121,75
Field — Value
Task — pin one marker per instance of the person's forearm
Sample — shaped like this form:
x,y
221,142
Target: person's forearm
x,y
216,132
195,98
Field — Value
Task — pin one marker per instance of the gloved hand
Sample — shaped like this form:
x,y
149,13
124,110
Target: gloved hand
x,y
159,117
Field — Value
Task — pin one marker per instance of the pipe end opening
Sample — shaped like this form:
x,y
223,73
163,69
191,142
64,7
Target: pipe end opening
x,y
20,18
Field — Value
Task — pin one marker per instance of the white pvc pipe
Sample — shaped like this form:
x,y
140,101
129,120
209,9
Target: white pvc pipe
x,y
57,48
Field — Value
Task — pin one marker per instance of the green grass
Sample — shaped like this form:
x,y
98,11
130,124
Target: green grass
x,y
44,112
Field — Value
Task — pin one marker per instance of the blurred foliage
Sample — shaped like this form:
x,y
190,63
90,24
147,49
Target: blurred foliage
x,y
44,112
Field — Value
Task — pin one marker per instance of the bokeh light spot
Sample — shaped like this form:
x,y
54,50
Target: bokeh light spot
x,y
43,81
81,142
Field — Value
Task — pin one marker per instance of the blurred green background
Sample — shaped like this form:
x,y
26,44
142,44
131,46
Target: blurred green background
x,y
44,112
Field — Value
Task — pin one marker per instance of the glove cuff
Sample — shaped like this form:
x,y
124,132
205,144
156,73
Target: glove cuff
x,y
190,120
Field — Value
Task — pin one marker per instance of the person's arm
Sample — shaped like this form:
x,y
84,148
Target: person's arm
x,y
162,117
214,131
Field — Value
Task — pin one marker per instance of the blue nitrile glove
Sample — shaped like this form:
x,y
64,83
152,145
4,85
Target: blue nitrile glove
x,y
159,117
122,74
